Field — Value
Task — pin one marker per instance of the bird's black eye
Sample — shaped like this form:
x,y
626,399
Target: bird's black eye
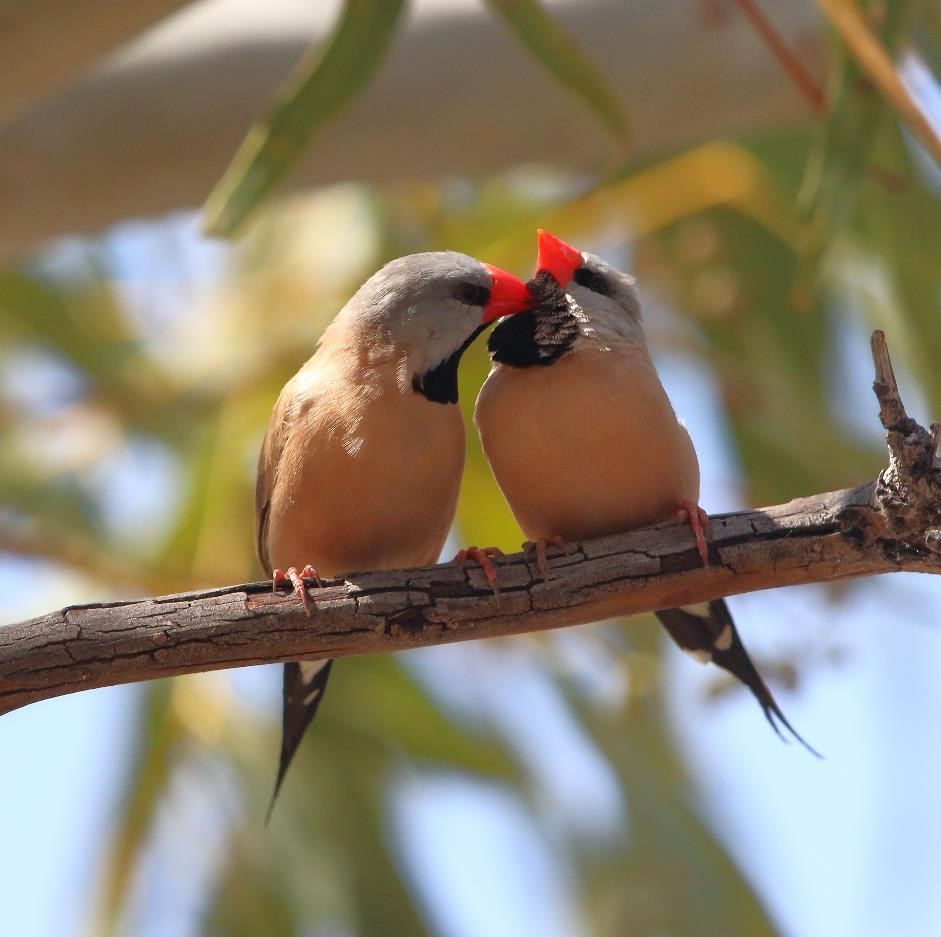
x,y
472,295
592,281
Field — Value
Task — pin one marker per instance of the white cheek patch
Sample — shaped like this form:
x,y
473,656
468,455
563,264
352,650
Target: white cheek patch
x,y
700,609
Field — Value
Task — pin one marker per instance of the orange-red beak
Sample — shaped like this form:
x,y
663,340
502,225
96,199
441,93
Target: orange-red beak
x,y
556,257
508,295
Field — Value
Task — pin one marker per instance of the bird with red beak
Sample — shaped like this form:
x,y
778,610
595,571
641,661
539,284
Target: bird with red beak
x,y
583,441
364,452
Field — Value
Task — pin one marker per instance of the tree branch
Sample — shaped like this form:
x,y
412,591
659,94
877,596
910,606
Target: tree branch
x,y
891,524
788,61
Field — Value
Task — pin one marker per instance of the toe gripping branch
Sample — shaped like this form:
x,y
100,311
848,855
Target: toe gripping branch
x,y
540,548
482,556
692,514
297,581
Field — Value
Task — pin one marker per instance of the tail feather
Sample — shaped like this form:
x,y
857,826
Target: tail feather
x,y
304,685
708,633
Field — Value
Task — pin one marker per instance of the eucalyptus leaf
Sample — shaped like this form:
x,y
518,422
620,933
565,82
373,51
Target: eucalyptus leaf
x,y
540,32
321,85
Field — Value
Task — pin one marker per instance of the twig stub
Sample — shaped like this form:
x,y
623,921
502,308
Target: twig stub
x,y
909,489
891,409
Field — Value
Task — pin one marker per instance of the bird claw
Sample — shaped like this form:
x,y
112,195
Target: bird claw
x,y
481,555
539,548
297,581
692,514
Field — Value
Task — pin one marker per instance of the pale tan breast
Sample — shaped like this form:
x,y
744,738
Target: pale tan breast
x,y
587,446
366,483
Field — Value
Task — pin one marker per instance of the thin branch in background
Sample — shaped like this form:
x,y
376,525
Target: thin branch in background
x,y
786,58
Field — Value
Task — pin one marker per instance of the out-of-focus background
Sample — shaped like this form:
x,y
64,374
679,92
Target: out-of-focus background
x,y
776,201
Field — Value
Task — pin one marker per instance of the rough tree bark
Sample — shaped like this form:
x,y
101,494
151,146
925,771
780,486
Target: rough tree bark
x,y
891,524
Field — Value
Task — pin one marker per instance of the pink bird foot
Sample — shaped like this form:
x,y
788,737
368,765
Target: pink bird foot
x,y
539,547
692,514
297,580
481,555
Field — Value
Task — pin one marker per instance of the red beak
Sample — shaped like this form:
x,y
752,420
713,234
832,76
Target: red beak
x,y
508,295
556,257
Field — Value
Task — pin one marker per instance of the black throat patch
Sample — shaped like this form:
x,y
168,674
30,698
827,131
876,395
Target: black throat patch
x,y
539,337
439,384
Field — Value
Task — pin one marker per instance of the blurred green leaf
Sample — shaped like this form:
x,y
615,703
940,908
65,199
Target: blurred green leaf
x,y
841,162
375,702
666,872
252,898
926,28
868,191
876,62
640,199
155,735
541,33
84,327
318,88
737,279
900,228
671,876
329,859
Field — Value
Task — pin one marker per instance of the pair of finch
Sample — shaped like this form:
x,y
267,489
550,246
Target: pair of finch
x,y
579,432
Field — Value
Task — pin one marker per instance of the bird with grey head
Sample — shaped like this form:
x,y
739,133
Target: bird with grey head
x,y
584,442
364,452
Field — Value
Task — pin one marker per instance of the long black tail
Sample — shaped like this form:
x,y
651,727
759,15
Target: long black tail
x,y
708,633
304,685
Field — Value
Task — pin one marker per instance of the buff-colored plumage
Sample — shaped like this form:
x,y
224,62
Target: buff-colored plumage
x,y
362,460
595,447
355,474
583,440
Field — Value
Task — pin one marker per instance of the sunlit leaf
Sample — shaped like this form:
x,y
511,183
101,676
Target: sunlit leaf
x,y
638,201
318,88
483,516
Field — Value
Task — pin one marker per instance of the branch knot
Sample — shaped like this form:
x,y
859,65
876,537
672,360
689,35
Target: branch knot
x,y
909,489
